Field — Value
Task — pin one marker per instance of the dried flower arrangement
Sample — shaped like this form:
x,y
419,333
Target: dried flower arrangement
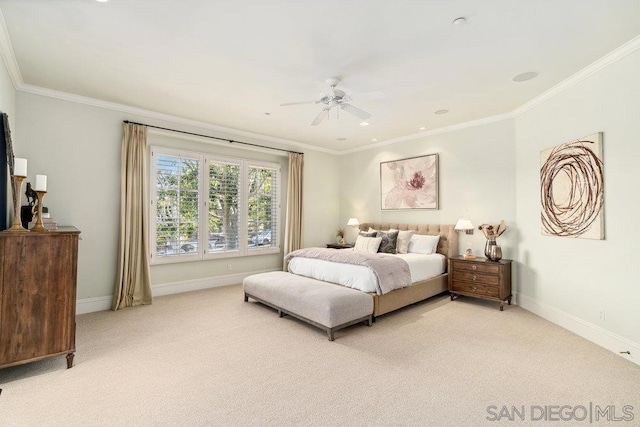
x,y
491,232
340,233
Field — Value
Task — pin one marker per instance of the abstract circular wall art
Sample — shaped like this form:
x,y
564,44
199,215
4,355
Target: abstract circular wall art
x,y
572,189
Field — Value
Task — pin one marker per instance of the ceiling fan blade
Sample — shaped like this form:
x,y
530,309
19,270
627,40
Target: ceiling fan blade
x,y
367,96
299,103
355,111
321,115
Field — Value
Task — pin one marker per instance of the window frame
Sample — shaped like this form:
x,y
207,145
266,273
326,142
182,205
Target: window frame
x,y
203,254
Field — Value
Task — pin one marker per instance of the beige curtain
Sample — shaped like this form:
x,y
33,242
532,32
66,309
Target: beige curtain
x,y
293,226
133,286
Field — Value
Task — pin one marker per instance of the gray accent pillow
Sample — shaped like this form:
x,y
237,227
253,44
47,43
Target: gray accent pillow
x,y
365,234
388,242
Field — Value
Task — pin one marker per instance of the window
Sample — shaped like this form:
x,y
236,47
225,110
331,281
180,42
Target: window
x,y
205,207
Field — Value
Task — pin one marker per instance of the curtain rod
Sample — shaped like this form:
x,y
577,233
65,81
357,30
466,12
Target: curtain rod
x,y
231,141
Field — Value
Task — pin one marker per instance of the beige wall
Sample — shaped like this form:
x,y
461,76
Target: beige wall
x,y
575,276
476,181
78,147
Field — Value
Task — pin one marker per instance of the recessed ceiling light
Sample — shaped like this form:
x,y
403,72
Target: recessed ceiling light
x,y
102,1
460,21
525,76
364,123
341,139
267,114
422,127
441,112
374,140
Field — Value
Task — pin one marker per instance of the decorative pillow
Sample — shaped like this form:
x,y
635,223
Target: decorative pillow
x,y
423,244
403,240
367,234
372,230
389,241
367,244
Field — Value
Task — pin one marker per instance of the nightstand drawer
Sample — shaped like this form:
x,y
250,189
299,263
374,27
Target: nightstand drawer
x,y
477,267
476,288
485,279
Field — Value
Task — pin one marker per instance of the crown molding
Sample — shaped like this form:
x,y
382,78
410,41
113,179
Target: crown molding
x,y
8,55
438,131
65,96
597,66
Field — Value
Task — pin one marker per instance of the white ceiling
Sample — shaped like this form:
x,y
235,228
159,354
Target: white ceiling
x,y
228,63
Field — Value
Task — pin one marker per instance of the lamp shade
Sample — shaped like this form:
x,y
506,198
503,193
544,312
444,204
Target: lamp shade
x,y
463,224
354,222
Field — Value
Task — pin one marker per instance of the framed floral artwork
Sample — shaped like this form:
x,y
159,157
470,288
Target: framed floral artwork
x,y
409,183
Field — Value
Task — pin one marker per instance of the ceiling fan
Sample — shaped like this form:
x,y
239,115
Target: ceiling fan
x,y
338,99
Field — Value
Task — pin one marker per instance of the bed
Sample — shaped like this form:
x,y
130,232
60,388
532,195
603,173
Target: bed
x,y
385,302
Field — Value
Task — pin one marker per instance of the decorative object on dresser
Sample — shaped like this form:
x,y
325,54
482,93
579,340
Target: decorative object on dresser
x,y
19,174
409,183
340,236
572,189
492,232
38,295
465,225
480,278
41,190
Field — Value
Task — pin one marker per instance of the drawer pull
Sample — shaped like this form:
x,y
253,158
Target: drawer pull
x,y
473,267
474,278
474,288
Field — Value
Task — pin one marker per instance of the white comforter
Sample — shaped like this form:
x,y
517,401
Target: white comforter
x,y
359,277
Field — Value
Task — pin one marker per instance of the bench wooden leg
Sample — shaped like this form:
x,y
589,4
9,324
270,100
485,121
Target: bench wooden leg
x,y
330,334
246,298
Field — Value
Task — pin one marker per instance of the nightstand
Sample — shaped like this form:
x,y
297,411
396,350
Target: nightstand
x,y
480,278
339,246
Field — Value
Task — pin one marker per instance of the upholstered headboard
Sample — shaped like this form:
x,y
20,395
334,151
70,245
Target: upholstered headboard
x,y
447,245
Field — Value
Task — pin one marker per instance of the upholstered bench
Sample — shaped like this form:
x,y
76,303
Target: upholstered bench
x,y
325,305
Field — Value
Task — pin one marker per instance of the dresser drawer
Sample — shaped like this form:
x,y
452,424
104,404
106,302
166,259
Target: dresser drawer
x,y
476,288
467,276
477,267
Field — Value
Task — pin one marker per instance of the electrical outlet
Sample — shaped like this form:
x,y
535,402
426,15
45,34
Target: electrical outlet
x,y
228,267
601,314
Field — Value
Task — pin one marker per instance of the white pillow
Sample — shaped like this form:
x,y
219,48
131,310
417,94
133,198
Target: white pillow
x,y
367,244
404,237
423,244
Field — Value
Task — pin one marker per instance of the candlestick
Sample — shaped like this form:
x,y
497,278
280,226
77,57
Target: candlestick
x,y
19,167
17,223
38,227
41,183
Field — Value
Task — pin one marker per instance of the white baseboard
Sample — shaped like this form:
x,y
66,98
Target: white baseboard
x,y
90,305
589,331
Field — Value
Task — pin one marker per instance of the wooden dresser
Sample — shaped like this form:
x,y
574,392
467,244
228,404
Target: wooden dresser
x,y
480,278
38,295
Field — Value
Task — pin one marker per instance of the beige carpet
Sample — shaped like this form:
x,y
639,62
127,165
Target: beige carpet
x,y
208,358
